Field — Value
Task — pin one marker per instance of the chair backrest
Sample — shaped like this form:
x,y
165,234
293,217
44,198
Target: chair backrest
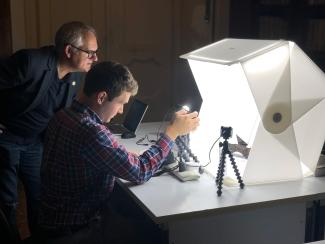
x,y
7,232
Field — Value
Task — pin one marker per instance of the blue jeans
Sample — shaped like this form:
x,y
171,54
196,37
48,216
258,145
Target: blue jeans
x,y
20,159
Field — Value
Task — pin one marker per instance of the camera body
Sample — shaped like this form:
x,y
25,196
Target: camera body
x,y
225,132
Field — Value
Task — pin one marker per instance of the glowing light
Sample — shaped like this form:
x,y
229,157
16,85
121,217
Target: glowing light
x,y
186,107
272,95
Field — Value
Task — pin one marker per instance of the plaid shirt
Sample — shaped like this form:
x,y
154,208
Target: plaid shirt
x,y
80,162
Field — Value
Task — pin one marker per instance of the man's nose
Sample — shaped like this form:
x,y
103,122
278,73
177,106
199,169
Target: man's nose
x,y
95,58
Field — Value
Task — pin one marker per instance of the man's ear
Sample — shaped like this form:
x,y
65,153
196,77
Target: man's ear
x,y
68,51
101,97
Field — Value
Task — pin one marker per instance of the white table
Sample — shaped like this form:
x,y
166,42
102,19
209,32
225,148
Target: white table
x,y
193,213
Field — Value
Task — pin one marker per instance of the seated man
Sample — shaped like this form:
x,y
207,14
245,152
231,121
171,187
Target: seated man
x,y
82,158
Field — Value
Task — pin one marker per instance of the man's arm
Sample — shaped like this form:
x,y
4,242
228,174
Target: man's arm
x,y
104,152
106,155
14,70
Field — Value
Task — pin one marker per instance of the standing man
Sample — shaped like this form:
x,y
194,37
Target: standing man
x,y
82,158
34,84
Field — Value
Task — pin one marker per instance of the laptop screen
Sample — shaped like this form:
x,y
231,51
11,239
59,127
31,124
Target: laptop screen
x,y
135,115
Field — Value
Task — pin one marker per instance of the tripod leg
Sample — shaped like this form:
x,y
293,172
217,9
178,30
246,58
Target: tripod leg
x,y
221,171
221,149
233,163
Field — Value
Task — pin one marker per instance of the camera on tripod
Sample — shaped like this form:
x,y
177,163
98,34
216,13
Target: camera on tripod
x,y
225,132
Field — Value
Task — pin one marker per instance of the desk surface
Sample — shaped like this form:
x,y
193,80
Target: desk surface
x,y
164,198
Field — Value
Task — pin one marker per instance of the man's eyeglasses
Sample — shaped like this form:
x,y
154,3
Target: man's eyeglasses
x,y
90,53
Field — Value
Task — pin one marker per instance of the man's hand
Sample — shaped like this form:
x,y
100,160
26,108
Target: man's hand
x,y
182,124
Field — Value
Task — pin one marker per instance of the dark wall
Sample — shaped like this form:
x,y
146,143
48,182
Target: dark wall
x,y
301,21
5,29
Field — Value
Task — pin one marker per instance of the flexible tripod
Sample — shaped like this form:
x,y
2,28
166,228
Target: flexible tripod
x,y
184,152
226,133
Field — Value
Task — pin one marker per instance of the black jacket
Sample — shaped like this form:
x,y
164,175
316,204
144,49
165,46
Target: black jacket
x,y
26,76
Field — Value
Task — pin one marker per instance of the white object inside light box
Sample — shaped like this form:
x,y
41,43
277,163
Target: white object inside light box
x,y
247,84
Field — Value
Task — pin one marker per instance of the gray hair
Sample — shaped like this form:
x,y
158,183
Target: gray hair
x,y
72,33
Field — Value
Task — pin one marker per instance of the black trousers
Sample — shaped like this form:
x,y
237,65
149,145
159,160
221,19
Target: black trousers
x,y
119,223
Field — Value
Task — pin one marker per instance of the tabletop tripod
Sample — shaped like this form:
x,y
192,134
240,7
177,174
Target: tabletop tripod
x,y
226,133
184,152
184,155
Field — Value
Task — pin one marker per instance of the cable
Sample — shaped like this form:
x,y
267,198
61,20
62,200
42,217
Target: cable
x,y
140,141
203,166
162,171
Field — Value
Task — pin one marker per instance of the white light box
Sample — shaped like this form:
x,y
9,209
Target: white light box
x,y
272,95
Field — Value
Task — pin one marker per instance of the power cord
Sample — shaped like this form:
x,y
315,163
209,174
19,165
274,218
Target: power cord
x,y
201,168
146,137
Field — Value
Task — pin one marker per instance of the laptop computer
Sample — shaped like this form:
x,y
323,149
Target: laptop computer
x,y
131,121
